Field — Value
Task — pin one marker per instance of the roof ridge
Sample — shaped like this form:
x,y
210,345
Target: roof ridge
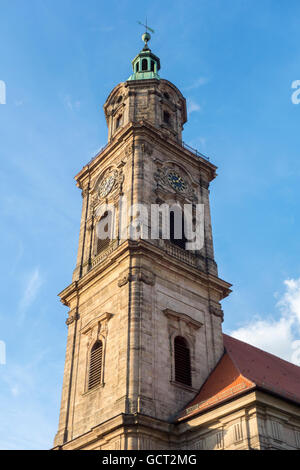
x,y
235,363
261,350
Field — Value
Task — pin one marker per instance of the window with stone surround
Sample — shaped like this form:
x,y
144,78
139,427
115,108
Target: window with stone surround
x,y
95,366
182,334
166,117
118,121
181,242
103,243
182,361
94,337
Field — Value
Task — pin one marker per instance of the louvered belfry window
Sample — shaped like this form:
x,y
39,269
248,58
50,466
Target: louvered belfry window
x,y
95,365
182,361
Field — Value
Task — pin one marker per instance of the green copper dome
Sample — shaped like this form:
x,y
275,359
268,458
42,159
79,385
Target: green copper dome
x,y
145,65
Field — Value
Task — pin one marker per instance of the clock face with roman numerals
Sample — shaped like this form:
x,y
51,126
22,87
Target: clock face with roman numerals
x,y
176,181
106,185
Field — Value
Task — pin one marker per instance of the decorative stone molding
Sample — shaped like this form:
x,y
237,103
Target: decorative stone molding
x,y
129,150
96,330
117,178
120,181
181,324
147,277
162,182
147,148
182,318
217,311
89,224
71,318
97,325
85,192
160,177
204,184
142,276
124,279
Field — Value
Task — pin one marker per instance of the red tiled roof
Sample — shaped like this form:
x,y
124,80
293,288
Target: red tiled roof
x,y
244,367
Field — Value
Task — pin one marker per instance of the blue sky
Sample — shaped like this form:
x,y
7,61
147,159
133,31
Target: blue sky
x,y
235,61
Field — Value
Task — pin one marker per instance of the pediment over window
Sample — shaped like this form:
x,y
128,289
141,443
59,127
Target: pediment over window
x,y
101,321
173,180
182,317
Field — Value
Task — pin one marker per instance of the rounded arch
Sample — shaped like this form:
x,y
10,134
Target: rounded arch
x,y
103,174
95,364
144,65
176,95
170,164
104,232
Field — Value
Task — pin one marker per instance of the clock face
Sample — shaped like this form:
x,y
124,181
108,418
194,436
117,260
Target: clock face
x,y
106,186
176,181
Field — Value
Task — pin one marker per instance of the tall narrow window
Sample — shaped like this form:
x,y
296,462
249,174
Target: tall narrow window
x,y
118,121
95,369
166,117
152,65
103,232
137,67
144,64
174,233
182,361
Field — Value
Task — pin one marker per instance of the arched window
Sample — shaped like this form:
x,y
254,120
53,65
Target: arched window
x,y
144,64
95,368
137,67
174,234
104,228
182,361
152,65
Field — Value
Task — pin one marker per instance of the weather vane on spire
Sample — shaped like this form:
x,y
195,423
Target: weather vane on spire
x,y
146,36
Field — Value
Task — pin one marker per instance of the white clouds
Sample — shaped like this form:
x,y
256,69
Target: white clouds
x,y
279,336
199,141
290,301
24,420
30,292
71,104
197,83
192,106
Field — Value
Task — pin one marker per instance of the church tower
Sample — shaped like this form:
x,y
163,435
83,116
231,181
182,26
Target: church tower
x,y
145,320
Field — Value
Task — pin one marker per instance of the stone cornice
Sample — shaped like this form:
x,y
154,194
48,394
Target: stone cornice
x,y
171,145
128,421
143,248
182,317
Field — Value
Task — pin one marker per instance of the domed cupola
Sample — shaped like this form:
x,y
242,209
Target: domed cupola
x,y
145,65
145,97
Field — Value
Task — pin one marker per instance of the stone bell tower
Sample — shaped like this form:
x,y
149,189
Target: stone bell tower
x,y
144,324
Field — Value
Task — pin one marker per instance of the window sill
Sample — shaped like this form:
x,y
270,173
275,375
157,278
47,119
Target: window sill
x,y
92,390
188,388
